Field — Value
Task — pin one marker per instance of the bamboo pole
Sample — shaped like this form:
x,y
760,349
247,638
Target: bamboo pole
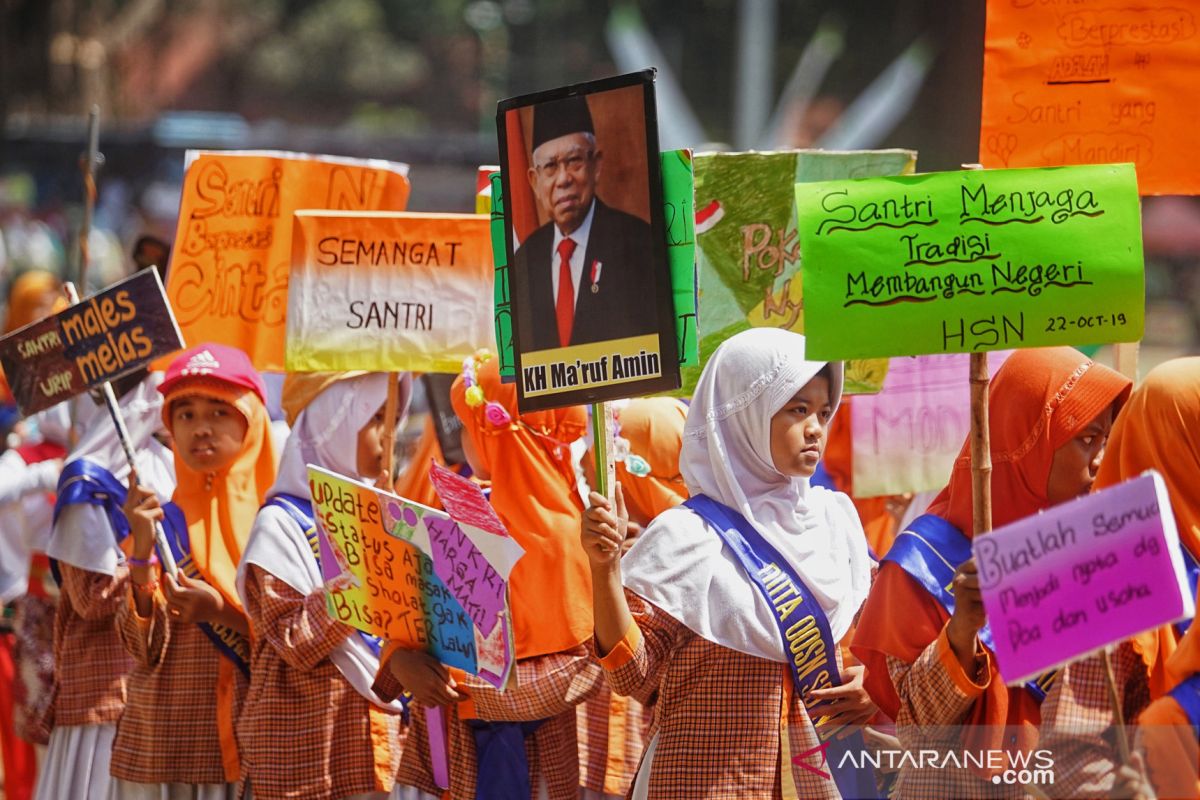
x,y
981,449
390,406
114,411
1125,359
1114,698
87,165
602,445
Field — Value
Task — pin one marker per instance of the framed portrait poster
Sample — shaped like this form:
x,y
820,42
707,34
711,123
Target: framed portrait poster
x,y
593,315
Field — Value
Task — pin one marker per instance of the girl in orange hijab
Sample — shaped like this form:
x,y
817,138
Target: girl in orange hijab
x,y
923,642
507,744
33,295
649,475
188,637
1158,429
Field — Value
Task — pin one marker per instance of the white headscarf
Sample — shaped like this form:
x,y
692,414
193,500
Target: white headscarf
x,y
326,434
89,542
680,565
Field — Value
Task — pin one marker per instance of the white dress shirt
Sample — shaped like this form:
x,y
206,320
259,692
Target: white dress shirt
x,y
580,237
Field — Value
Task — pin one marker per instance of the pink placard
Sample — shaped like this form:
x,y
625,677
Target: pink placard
x,y
1067,582
905,438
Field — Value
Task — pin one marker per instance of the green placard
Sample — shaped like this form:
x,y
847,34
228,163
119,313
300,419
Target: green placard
x,y
747,246
501,298
959,262
679,217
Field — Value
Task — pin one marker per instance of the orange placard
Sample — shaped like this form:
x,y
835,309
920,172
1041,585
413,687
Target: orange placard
x,y
228,281
1093,82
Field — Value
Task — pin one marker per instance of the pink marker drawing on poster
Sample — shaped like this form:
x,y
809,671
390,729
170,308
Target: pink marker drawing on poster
x,y
1072,580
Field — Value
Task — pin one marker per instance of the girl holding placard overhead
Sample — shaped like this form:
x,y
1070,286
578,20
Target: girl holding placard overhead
x,y
311,726
507,744
612,729
922,632
729,608
188,635
89,543
1158,429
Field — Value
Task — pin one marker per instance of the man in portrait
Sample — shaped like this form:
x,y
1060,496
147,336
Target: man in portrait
x,y
590,267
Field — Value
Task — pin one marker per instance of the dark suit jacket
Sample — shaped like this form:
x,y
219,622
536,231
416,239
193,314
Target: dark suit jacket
x,y
624,303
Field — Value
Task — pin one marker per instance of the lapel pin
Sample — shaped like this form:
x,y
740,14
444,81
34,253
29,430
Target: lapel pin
x,y
597,266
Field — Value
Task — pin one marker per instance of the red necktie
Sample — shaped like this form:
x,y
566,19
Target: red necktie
x,y
564,307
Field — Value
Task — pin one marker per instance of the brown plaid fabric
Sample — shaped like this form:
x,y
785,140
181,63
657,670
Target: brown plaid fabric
x,y
304,730
612,732
935,698
170,731
33,657
91,664
1078,720
547,687
719,714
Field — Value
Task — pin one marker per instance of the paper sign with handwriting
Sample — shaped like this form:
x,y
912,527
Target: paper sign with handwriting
x,y
388,291
1062,584
228,281
1090,82
960,262
748,248
905,438
405,572
105,336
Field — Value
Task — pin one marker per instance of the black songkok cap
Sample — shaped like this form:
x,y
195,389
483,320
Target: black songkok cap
x,y
561,118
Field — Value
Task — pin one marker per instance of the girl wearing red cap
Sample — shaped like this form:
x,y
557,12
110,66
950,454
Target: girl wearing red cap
x,y
188,636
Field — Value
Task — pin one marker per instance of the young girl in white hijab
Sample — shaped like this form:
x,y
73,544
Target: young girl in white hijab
x,y
311,726
89,541
733,604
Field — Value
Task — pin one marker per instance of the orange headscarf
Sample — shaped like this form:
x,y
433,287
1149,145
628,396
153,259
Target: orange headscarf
x,y
220,507
533,491
654,428
1039,400
27,303
413,482
1159,429
27,299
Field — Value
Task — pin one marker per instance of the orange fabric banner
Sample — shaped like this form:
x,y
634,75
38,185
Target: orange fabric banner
x,y
1087,82
228,281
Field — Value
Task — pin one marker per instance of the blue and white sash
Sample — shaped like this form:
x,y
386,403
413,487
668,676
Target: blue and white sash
x,y
803,627
1187,694
229,643
1192,568
930,550
300,510
84,481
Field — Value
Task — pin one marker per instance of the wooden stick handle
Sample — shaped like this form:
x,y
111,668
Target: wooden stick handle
x,y
114,411
602,446
981,450
1114,698
390,406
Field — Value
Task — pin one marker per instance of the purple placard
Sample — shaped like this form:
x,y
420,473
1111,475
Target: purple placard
x,y
466,573
1067,582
